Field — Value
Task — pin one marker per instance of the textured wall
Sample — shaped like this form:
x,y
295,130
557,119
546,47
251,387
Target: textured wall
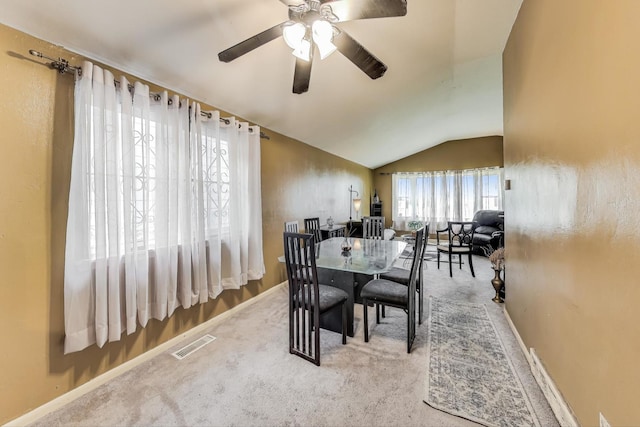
x,y
36,118
452,155
572,152
299,181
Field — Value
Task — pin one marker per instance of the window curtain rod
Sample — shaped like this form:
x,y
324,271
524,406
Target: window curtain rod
x,y
63,66
442,171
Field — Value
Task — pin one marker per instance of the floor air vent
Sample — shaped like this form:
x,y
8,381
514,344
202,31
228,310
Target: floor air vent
x,y
193,347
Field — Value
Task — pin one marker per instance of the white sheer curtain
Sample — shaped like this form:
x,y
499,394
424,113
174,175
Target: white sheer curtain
x,y
441,196
164,208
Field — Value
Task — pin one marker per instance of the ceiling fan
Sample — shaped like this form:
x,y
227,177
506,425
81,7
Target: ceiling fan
x,y
311,26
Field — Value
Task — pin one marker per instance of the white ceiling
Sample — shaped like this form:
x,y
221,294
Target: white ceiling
x,y
444,77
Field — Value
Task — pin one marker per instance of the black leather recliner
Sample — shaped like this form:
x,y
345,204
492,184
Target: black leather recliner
x,y
489,231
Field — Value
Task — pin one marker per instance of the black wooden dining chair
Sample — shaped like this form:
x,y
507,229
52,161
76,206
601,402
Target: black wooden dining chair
x,y
373,227
308,299
312,226
401,275
459,242
383,292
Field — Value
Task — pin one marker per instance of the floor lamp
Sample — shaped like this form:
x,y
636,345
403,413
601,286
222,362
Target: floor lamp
x,y
356,202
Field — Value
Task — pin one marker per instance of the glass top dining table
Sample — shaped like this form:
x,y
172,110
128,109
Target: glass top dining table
x,y
367,256
344,269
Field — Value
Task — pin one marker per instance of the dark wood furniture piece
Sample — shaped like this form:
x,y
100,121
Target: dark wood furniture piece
x,y
388,293
308,299
354,229
336,230
459,242
375,209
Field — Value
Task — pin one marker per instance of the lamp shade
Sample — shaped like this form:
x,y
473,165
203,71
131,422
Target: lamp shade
x,y
304,50
323,36
356,204
293,35
326,49
322,31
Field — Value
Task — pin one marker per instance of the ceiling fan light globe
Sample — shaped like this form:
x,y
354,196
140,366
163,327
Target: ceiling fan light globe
x,y
304,50
322,31
293,34
326,49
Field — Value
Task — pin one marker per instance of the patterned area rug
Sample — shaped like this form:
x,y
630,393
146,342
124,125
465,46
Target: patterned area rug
x,y
430,254
469,374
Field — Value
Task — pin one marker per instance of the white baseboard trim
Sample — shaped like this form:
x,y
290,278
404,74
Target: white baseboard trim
x,y
71,395
559,406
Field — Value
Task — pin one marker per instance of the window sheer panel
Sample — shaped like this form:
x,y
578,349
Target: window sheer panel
x,y
256,268
160,209
441,196
231,236
80,326
200,283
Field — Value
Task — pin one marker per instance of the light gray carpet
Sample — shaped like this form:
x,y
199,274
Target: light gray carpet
x,y
469,373
246,377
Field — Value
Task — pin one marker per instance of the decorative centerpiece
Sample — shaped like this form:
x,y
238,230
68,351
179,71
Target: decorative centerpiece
x,y
330,222
346,247
497,263
414,226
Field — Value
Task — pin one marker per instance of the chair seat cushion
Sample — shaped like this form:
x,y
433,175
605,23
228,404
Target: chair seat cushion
x,y
397,274
455,249
330,296
383,290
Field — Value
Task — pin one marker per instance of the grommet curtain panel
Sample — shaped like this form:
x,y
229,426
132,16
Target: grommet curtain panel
x,y
440,196
164,208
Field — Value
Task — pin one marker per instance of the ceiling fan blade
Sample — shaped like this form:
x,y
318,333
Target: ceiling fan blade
x,y
360,56
349,10
302,74
251,43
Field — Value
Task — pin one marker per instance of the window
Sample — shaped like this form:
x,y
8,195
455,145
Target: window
x,y
164,208
216,182
438,197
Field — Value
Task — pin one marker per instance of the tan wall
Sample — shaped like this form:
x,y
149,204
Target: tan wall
x,y
452,155
572,152
299,181
36,121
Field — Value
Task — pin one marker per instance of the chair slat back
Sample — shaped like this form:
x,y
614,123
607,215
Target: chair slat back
x,y
291,226
373,227
461,233
425,239
300,262
411,287
312,225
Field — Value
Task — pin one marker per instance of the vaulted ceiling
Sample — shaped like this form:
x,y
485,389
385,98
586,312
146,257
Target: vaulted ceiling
x,y
444,77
